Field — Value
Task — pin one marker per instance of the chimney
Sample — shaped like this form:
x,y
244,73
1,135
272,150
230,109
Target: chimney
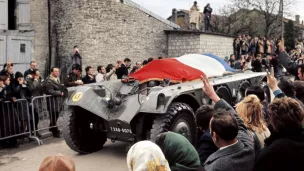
x,y
174,15
298,19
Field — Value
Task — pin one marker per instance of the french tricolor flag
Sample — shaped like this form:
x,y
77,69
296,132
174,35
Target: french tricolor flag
x,y
185,68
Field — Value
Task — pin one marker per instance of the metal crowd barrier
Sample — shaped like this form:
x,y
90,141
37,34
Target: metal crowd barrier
x,y
14,119
47,110
21,118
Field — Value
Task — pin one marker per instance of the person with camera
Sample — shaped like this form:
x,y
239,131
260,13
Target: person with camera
x,y
76,58
207,12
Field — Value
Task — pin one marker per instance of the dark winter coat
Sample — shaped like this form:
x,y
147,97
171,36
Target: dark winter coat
x,y
28,72
122,71
88,80
55,89
291,66
238,157
206,147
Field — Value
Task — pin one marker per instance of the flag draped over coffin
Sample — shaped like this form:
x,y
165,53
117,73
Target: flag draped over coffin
x,y
184,68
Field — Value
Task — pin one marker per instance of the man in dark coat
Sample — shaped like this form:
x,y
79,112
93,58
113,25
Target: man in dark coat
x,y
121,70
33,65
206,146
284,148
230,135
90,77
207,13
75,57
54,88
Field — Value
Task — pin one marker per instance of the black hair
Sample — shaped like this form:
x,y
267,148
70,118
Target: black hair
x,y
145,62
52,69
3,77
32,62
287,87
75,46
4,66
18,75
160,57
109,68
99,68
203,116
150,59
127,60
256,90
224,125
77,67
34,71
87,68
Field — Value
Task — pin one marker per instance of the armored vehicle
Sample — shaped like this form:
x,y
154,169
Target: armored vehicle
x,y
162,96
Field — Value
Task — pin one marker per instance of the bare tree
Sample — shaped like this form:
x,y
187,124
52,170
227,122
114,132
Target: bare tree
x,y
268,9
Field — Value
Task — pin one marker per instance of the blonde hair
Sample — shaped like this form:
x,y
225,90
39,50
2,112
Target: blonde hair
x,y
251,111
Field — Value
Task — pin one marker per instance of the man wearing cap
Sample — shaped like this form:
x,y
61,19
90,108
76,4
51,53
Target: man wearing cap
x,y
74,77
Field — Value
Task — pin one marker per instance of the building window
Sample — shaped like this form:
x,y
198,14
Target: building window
x,y
22,48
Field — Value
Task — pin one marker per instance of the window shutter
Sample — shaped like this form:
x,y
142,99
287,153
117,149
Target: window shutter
x,y
23,15
3,15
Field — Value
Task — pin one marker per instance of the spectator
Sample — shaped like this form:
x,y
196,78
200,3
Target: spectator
x,y
2,86
127,62
121,70
257,64
137,67
57,163
232,61
288,88
299,88
9,124
259,92
285,145
103,75
110,69
301,72
239,64
35,88
237,47
273,62
160,57
22,92
74,77
150,60
261,46
236,149
33,65
54,88
145,62
252,46
250,111
179,152
269,47
8,69
146,155
207,13
76,58
90,77
206,146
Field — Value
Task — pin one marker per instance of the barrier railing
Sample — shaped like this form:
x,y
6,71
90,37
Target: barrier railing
x,y
45,110
14,119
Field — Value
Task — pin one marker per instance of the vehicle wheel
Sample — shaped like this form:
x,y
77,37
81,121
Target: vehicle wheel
x,y
267,92
179,119
82,131
242,90
223,93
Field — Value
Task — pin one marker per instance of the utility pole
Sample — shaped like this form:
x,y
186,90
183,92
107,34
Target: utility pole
x,y
282,18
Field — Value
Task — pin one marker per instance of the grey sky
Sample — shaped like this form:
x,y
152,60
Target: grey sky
x,y
164,7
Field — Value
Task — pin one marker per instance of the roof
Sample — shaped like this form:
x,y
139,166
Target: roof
x,y
150,13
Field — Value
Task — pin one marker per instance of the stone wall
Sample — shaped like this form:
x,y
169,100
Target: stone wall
x,y
187,42
107,30
39,20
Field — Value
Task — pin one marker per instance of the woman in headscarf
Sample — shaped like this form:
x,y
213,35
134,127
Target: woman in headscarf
x,y
179,152
251,112
146,156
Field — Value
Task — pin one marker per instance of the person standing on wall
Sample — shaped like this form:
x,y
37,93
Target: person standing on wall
x,y
195,17
207,13
76,58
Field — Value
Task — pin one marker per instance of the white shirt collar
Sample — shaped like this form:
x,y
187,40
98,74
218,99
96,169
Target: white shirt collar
x,y
229,145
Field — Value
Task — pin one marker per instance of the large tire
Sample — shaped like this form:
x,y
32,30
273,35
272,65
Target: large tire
x,y
179,118
82,131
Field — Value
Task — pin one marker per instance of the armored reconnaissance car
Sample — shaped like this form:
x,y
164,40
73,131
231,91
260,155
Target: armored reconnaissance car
x,y
162,96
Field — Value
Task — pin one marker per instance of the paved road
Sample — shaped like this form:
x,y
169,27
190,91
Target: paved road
x,y
29,156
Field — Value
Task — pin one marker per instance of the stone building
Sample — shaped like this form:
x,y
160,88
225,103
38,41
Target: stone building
x,y
107,30
104,30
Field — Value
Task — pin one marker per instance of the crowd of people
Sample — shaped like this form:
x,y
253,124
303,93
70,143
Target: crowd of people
x,y
259,54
